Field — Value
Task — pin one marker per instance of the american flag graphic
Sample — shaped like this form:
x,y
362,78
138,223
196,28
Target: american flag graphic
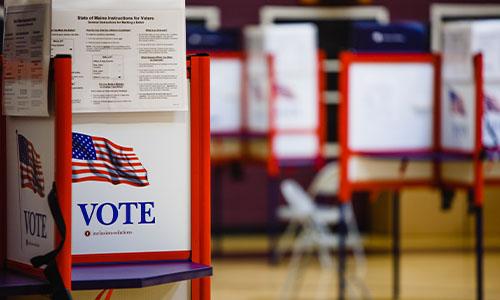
x,y
284,92
30,166
99,159
457,103
491,104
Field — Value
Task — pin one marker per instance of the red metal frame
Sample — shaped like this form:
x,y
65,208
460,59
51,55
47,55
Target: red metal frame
x,y
347,187
477,159
200,172
3,182
63,174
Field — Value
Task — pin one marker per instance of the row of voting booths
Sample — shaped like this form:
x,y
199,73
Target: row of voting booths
x,y
394,115
415,120
105,152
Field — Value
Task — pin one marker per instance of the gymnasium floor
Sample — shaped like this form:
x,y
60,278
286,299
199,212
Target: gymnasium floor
x,y
437,267
436,276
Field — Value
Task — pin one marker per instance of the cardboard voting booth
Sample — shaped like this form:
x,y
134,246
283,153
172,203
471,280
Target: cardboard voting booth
x,y
470,114
283,95
116,181
335,27
396,115
388,108
128,221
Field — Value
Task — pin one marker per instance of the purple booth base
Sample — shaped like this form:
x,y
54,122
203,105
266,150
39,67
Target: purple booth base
x,y
116,276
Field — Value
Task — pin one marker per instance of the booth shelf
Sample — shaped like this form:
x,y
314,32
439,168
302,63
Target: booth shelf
x,y
15,284
112,276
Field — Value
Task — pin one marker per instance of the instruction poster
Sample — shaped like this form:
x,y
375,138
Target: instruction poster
x,y
26,60
124,60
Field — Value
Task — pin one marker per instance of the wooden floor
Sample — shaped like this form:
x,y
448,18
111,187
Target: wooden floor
x,y
436,276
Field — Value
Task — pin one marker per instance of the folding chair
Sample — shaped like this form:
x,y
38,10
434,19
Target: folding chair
x,y
313,221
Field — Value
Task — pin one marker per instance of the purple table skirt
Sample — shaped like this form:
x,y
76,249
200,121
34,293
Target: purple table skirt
x,y
115,276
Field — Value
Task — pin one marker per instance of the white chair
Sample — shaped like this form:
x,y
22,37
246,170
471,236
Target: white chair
x,y
313,223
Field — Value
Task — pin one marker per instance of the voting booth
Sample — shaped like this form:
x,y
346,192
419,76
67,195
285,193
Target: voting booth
x,y
105,162
388,132
470,101
335,26
284,107
469,118
388,108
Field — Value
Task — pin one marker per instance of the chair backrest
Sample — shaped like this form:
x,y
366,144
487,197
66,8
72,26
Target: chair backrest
x,y
326,182
296,197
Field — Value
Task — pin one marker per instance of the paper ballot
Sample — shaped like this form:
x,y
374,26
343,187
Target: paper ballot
x,y
127,55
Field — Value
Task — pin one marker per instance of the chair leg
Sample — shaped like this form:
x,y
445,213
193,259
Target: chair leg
x,y
359,253
302,243
282,242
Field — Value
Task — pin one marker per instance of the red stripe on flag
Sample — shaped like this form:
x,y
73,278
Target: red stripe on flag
x,y
106,179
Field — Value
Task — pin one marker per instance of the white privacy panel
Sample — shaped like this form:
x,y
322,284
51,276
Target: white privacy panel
x,y
226,83
458,116
30,165
293,49
133,195
390,106
462,40
491,116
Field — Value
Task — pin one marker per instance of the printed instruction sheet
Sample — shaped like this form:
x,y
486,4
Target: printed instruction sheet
x,y
124,60
26,60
